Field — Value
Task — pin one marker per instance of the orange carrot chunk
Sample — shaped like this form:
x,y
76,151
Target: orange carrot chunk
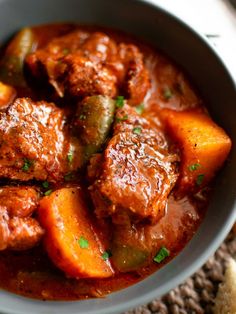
x,y
70,240
204,146
7,95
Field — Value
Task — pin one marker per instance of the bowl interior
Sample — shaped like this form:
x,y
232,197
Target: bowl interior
x,y
209,75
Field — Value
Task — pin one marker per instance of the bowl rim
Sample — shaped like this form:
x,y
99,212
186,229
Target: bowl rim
x,y
202,258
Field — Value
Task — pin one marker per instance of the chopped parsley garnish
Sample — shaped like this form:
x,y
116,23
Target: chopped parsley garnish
x,y
200,179
45,184
122,118
69,176
48,192
137,130
83,243
140,108
27,164
70,157
106,255
167,93
65,51
161,255
120,102
194,167
82,117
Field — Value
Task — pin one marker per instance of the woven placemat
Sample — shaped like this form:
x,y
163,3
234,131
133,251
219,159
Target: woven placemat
x,y
196,295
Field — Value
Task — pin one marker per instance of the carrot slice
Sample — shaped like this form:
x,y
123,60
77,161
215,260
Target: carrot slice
x,y
70,240
7,94
203,144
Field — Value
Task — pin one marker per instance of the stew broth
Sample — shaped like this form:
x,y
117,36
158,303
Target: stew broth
x,y
31,273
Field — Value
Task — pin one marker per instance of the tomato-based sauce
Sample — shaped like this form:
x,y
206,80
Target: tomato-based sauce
x,y
31,272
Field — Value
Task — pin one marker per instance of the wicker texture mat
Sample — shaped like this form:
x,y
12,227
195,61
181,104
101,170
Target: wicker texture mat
x,y
196,295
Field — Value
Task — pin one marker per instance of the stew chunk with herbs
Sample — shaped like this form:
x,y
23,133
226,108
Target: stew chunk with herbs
x,y
81,64
18,230
34,141
136,171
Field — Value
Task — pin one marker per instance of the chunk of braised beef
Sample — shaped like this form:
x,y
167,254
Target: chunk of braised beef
x,y
43,60
136,171
34,142
74,64
80,64
18,230
136,80
19,201
82,76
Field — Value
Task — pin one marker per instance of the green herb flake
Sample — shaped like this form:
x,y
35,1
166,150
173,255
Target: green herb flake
x,y
140,108
48,192
65,51
82,117
106,255
122,118
200,179
120,102
137,130
69,176
83,243
194,167
45,184
161,255
167,93
27,164
70,157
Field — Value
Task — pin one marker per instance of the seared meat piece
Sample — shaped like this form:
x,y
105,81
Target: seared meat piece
x,y
33,142
42,61
74,64
19,201
136,81
24,233
18,231
81,76
100,46
82,64
136,174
